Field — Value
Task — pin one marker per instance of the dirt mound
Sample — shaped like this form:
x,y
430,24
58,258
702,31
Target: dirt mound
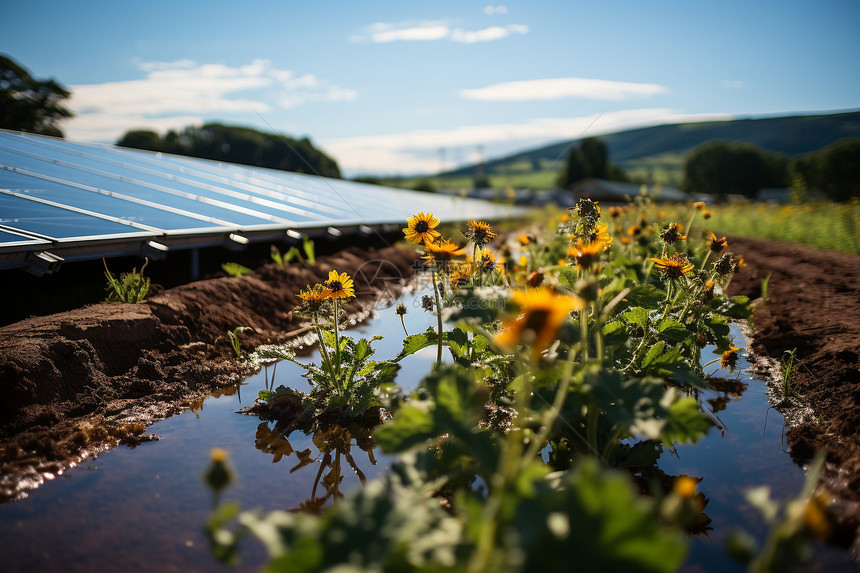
x,y
78,382
813,305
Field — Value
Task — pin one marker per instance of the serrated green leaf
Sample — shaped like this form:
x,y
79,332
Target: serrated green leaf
x,y
636,315
672,331
652,354
647,296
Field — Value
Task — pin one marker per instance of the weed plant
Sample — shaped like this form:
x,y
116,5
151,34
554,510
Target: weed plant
x,y
129,287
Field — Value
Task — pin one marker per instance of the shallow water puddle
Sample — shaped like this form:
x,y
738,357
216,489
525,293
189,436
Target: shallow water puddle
x,y
144,509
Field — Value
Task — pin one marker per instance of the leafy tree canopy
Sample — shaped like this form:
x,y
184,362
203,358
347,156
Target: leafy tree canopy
x,y
237,145
834,170
721,167
28,104
589,159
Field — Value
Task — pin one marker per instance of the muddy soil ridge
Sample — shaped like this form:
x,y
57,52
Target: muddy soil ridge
x,y
79,382
812,304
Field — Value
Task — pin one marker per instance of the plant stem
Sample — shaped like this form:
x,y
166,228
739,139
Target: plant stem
x,y
438,321
337,342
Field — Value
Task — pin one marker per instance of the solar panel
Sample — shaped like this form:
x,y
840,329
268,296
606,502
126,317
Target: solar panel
x,y
71,200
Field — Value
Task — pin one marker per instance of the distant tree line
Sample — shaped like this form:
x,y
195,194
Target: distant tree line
x,y
721,167
589,159
237,145
28,104
834,170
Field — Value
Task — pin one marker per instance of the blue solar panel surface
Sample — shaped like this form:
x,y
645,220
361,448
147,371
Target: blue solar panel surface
x,y
58,192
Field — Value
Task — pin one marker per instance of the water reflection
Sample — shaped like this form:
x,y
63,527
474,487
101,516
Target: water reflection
x,y
334,445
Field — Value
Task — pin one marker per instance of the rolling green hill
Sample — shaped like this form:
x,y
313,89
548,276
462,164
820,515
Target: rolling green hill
x,y
661,151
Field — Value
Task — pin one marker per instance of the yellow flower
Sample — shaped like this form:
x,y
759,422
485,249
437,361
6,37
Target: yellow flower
x,y
584,255
542,311
601,236
442,252
634,230
675,267
486,261
699,205
340,285
479,232
729,358
316,293
706,214
565,218
421,228
525,239
459,271
716,244
672,233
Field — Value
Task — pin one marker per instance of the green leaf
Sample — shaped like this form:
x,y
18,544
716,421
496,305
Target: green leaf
x,y
614,333
236,270
416,342
740,308
672,331
652,354
636,315
645,295
686,422
597,516
412,425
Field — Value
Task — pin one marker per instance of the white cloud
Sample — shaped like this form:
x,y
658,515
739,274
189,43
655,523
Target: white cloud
x,y
490,10
558,88
417,151
386,32
174,94
487,34
419,33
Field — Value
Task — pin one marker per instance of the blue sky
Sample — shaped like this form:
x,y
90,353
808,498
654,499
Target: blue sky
x,y
406,87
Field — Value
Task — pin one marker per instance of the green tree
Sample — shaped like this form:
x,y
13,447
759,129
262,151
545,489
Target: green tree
x,y
143,139
589,159
28,104
720,167
595,157
834,170
238,145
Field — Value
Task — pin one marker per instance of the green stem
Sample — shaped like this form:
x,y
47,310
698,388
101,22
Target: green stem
x,y
337,340
323,349
404,325
583,332
689,226
438,321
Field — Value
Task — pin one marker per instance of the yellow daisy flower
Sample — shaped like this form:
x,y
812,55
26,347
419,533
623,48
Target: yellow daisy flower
x,y
542,311
674,268
340,285
479,232
421,228
443,251
716,244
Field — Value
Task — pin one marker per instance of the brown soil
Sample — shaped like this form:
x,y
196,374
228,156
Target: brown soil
x,y
813,305
79,382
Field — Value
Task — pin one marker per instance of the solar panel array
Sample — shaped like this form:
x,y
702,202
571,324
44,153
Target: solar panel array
x,y
63,200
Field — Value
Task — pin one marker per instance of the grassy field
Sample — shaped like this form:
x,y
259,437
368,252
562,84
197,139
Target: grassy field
x,y
821,224
666,168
